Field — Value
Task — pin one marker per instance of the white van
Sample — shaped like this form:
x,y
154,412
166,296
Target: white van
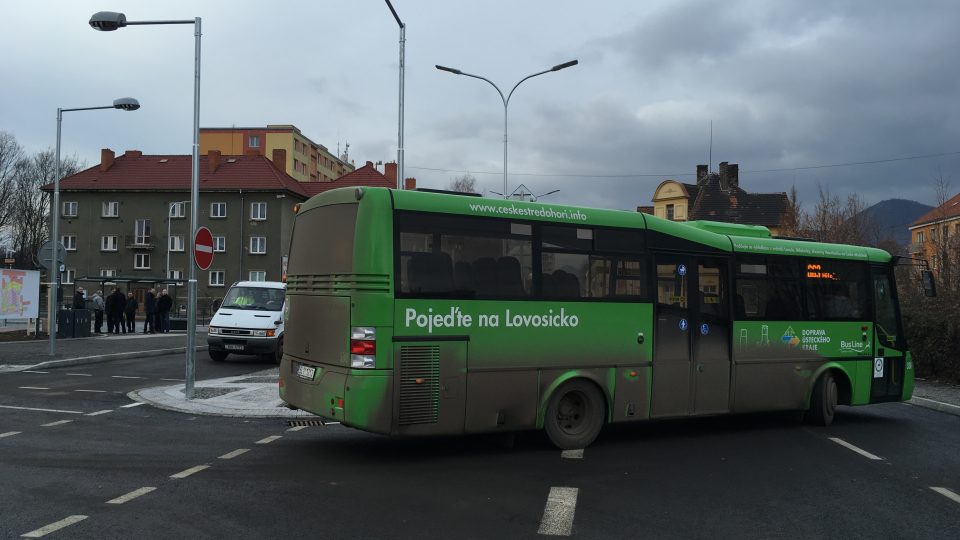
x,y
249,321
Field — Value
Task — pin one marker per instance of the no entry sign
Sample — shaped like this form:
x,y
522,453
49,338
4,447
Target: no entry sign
x,y
203,248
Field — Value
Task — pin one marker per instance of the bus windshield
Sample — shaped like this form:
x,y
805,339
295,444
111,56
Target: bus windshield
x,y
259,298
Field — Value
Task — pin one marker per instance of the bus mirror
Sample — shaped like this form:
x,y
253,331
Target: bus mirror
x,y
929,285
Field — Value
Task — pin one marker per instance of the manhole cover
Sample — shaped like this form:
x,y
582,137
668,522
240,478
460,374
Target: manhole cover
x,y
208,392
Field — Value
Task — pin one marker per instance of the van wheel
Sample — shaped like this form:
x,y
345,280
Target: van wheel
x,y
278,356
823,401
218,356
574,415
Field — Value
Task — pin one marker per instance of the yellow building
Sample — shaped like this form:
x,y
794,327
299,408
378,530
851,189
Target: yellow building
x,y
307,161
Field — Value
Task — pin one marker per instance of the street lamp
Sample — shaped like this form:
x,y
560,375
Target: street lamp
x,y
123,104
403,41
170,217
506,102
107,21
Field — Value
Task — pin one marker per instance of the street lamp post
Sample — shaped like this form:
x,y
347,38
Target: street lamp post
x,y
123,104
403,41
108,21
506,102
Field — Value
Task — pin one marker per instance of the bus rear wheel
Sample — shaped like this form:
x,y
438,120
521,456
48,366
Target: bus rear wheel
x,y
823,402
574,415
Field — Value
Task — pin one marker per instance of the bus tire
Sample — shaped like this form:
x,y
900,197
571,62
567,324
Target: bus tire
x,y
575,415
823,401
278,354
217,356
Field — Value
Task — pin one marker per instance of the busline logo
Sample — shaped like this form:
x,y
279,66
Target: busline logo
x,y
542,212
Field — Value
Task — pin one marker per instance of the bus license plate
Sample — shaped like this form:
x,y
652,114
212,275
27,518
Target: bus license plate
x,y
306,372
233,347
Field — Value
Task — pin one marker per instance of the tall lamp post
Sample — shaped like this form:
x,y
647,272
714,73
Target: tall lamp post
x,y
506,102
107,21
403,41
124,104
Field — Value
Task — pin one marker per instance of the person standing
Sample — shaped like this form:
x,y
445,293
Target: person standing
x,y
98,306
78,300
149,311
164,305
111,310
119,302
131,312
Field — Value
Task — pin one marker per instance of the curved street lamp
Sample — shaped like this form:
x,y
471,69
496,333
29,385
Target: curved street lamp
x,y
506,102
108,21
123,104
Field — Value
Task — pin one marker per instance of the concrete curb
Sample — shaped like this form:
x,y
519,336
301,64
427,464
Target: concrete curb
x,y
107,357
928,403
208,410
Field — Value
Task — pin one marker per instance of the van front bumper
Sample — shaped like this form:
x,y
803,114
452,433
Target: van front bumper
x,y
242,345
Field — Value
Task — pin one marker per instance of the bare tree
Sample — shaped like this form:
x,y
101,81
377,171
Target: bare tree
x,y
463,184
790,224
10,153
945,247
836,220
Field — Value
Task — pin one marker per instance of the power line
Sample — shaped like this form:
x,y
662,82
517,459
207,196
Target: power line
x,y
665,175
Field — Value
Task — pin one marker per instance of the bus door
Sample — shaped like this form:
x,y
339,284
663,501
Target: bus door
x,y
691,363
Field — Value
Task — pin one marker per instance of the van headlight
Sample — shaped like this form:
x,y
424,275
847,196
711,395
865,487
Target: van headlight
x,y
264,333
213,330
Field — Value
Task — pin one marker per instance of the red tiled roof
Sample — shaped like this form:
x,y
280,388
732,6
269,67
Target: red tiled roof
x,y
367,175
947,210
173,173
735,205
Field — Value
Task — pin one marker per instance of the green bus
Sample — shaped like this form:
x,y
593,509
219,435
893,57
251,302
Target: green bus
x,y
415,312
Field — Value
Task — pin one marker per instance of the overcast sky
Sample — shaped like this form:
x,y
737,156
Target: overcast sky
x,y
787,85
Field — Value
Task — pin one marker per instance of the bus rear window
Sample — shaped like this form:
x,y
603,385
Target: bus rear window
x,y
323,240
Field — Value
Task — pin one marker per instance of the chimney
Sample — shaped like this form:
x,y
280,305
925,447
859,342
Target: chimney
x,y
701,174
724,180
133,153
369,164
280,159
390,171
213,161
106,159
733,175
410,183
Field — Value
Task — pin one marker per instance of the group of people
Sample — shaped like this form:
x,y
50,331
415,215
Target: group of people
x,y
121,311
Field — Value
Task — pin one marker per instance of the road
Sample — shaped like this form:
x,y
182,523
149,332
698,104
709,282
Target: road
x,y
80,460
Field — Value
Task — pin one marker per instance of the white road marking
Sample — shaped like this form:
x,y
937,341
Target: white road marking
x,y
939,404
330,423
297,428
572,454
57,423
178,380
32,387
137,404
860,451
28,371
132,495
98,413
270,439
188,472
80,374
235,453
947,493
125,377
559,511
40,410
65,522
92,391
10,434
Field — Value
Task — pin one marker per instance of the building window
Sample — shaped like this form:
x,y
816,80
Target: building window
x,y
218,210
70,209
254,141
110,209
108,272
219,244
670,212
258,211
175,274
142,231
919,237
69,275
69,242
141,261
178,210
258,275
217,278
258,245
176,243
108,242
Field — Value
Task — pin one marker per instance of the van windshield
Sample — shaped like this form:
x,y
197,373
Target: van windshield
x,y
259,298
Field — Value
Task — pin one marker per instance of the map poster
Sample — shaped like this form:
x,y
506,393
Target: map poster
x,y
19,294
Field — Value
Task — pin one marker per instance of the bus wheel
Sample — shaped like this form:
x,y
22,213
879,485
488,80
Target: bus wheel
x,y
217,356
574,415
278,355
823,402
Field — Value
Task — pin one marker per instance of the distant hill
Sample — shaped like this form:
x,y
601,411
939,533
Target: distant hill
x,y
892,217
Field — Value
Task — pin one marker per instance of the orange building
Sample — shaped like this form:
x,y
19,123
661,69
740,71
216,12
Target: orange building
x,y
936,234
306,160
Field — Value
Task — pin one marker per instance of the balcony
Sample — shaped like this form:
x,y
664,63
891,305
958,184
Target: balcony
x,y
137,242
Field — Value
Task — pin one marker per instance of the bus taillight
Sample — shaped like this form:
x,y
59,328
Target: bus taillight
x,y
363,347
